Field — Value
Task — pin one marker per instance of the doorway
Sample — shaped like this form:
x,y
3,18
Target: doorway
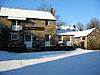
x,y
28,41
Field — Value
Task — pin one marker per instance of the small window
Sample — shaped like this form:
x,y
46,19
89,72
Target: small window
x,y
46,37
59,38
27,37
83,38
68,38
14,22
34,38
19,22
46,22
14,36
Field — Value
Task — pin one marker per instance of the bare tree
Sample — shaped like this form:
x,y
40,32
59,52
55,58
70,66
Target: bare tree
x,y
48,7
44,7
4,32
79,26
94,23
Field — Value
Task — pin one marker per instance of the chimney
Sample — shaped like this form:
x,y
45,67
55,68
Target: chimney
x,y
52,11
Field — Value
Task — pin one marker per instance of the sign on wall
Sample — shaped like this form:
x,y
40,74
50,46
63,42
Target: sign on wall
x,y
34,28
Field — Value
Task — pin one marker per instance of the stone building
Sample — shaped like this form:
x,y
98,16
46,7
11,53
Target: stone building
x,y
65,35
28,28
87,39
84,37
92,40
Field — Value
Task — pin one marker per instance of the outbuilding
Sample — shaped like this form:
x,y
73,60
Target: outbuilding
x,y
86,39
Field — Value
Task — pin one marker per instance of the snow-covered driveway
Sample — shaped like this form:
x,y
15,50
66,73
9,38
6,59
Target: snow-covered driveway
x,y
78,62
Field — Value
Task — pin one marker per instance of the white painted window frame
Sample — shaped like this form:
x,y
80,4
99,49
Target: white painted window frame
x,y
49,38
14,38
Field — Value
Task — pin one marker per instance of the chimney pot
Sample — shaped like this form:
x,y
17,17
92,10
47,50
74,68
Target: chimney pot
x,y
53,11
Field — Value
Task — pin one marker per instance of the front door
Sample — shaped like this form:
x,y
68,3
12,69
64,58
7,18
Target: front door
x,y
28,41
82,45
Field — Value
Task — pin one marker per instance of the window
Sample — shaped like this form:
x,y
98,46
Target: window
x,y
14,36
16,22
46,37
13,22
19,22
59,38
27,37
83,38
34,38
46,22
68,38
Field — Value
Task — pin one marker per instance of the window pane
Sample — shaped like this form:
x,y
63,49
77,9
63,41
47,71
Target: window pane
x,y
59,38
13,22
46,37
68,38
83,38
46,22
19,22
27,37
14,36
34,38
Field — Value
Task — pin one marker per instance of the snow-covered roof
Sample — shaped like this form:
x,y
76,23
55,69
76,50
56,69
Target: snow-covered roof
x,y
77,33
22,14
65,27
84,33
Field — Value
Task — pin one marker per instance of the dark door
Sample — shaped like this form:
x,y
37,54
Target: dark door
x,y
82,45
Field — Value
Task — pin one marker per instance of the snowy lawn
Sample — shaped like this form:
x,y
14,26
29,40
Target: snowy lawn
x,y
76,62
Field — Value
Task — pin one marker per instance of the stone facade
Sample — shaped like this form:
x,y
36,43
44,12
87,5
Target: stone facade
x,y
91,41
5,26
39,29
36,27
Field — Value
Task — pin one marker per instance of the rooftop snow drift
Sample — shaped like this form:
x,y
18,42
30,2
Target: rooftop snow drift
x,y
77,33
22,14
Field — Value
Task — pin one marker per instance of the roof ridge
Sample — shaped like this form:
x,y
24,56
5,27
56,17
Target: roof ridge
x,y
26,13
24,9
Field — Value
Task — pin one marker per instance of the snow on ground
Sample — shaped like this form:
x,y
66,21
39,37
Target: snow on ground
x,y
76,62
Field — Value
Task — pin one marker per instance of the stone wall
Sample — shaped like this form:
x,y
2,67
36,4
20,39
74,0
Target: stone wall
x,y
49,29
5,26
93,40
